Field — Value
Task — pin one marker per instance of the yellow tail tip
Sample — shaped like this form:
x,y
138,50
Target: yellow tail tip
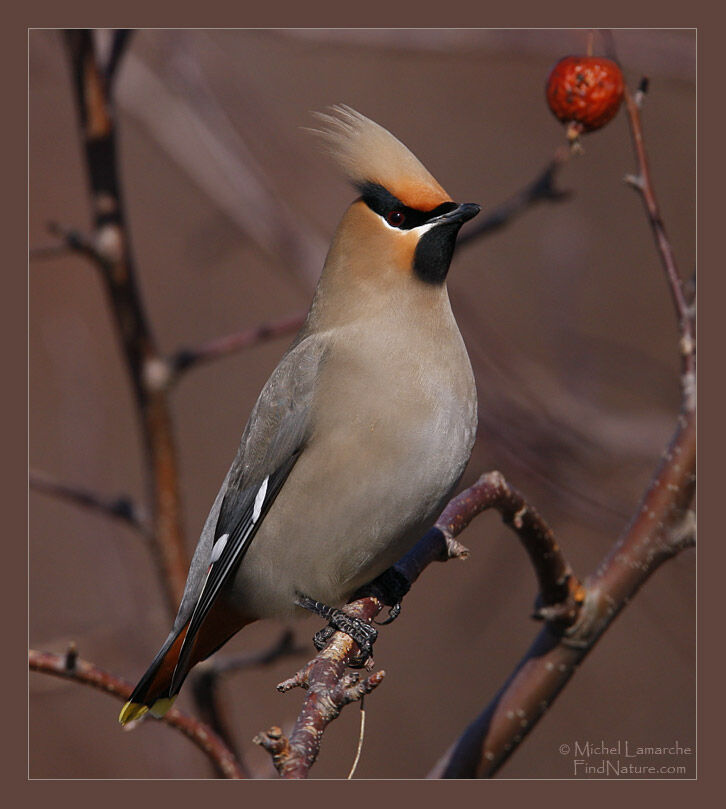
x,y
131,711
135,710
161,706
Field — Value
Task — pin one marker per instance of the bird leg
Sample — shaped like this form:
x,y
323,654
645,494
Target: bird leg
x,y
360,631
390,588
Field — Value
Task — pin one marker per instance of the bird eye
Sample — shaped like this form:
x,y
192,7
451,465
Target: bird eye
x,y
395,218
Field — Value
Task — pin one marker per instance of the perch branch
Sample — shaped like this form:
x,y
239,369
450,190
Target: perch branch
x,y
120,508
329,687
109,247
71,667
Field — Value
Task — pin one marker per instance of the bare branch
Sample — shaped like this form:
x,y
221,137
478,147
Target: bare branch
x,y
187,358
560,592
120,508
660,530
329,689
324,678
208,674
71,667
109,247
662,527
643,183
542,188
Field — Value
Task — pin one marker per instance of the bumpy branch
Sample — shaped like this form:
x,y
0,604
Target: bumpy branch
x,y
329,689
560,592
110,249
71,667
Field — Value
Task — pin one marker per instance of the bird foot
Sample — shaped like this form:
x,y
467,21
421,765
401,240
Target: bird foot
x,y
359,630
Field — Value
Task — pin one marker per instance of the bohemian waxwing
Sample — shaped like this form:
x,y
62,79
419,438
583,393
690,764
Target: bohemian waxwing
x,y
359,436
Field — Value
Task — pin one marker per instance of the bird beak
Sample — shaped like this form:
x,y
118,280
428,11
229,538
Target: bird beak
x,y
462,213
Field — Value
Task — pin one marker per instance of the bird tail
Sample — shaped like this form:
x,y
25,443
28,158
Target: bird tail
x,y
153,692
161,683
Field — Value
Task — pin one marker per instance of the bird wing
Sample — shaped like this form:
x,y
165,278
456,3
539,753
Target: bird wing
x,y
271,444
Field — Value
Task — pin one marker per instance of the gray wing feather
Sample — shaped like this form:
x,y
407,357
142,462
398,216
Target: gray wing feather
x,y
276,431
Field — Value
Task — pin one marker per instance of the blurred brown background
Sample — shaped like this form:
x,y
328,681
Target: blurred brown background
x,y
565,313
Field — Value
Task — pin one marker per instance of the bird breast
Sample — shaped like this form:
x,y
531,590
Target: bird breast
x,y
394,424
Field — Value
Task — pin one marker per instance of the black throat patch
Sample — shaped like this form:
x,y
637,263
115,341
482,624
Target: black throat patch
x,y
434,251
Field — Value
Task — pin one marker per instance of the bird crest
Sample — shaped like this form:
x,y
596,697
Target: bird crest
x,y
368,153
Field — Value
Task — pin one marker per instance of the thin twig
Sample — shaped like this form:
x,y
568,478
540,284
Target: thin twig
x,y
71,667
120,508
187,358
643,183
542,188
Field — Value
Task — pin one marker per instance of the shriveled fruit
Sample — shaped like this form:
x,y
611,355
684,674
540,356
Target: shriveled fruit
x,y
585,90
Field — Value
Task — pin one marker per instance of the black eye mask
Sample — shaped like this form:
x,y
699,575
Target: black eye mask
x,y
396,214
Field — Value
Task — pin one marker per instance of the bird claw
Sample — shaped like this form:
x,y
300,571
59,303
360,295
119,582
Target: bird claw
x,y
359,630
393,612
321,638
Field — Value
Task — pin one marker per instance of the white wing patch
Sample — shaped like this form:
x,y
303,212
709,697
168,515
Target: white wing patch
x,y
259,500
218,548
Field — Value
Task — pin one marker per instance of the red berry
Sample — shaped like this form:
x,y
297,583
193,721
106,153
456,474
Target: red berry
x,y
586,90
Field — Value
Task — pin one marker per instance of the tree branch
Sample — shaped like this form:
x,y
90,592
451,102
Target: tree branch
x,y
330,688
655,535
662,526
542,188
71,667
109,247
120,508
187,358
643,183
